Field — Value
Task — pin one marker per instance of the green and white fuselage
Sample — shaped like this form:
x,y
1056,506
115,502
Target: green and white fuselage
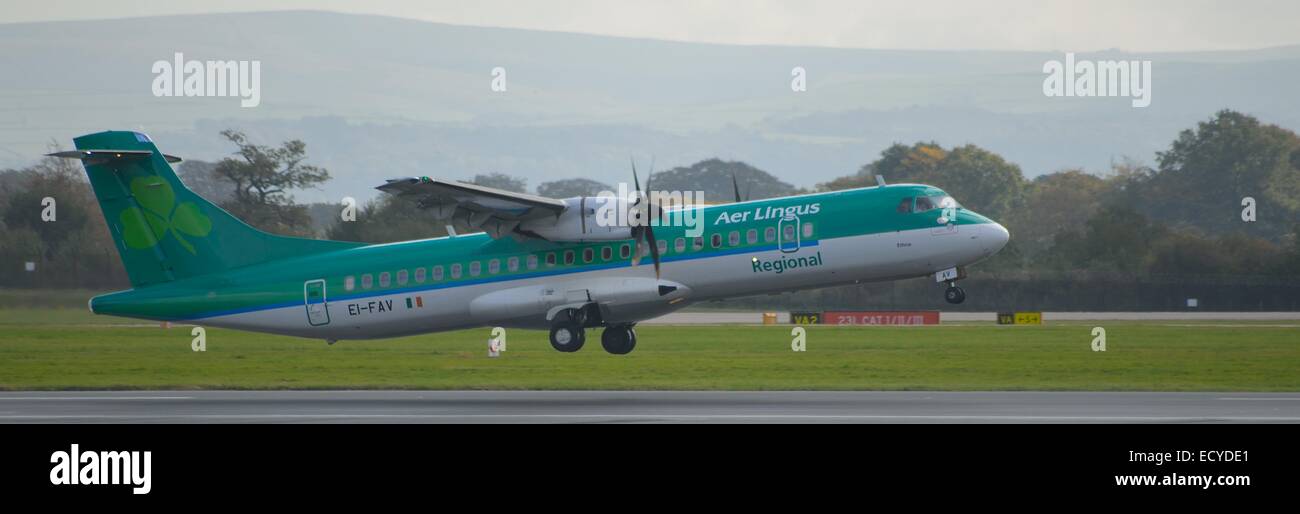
x,y
337,290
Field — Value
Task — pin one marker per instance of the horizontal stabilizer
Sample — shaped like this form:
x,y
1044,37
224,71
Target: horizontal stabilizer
x,y
103,156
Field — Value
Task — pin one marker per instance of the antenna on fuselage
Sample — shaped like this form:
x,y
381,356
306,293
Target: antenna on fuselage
x,y
880,180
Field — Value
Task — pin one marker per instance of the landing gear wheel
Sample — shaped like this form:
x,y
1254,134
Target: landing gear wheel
x,y
618,339
954,295
568,337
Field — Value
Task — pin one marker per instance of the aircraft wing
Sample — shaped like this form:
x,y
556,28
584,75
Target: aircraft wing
x,y
494,210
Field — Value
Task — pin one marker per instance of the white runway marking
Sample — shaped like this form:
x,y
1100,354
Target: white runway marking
x,y
44,398
1263,399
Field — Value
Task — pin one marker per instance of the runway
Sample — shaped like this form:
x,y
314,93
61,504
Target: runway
x,y
756,318
643,407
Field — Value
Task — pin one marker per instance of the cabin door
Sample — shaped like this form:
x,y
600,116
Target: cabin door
x,y
313,292
788,232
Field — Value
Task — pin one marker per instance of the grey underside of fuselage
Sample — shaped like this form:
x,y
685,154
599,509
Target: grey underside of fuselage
x,y
867,258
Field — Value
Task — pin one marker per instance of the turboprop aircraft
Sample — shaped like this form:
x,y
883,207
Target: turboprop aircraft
x,y
539,262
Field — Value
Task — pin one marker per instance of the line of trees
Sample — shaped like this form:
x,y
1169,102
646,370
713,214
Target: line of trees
x,y
1186,216
1131,224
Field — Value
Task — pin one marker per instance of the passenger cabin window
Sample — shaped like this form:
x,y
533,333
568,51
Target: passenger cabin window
x,y
587,255
475,268
550,259
532,262
807,229
769,234
437,273
751,236
494,266
733,239
663,246
679,245
402,277
606,253
419,275
367,281
697,244
385,279
625,251
788,232
349,283
512,264
568,257
455,270
716,239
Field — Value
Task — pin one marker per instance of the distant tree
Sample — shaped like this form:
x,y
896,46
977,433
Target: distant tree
x,y
74,250
324,215
262,177
62,181
898,163
978,178
202,178
501,181
1116,238
1244,254
1187,253
571,187
388,219
1064,200
713,177
1204,175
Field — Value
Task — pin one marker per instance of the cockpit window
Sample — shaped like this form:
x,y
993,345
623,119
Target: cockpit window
x,y
929,203
905,205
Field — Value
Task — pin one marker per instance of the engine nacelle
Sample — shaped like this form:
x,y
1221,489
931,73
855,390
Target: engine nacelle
x,y
587,218
620,299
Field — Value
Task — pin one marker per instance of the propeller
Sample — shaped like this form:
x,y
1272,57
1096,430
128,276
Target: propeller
x,y
645,230
735,186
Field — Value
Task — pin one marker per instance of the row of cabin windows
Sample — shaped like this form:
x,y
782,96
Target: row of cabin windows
x,y
588,255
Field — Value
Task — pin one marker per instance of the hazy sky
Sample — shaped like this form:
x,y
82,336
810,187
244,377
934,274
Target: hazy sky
x,y
1066,25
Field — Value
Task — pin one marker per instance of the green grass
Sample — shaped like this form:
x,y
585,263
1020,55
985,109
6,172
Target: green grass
x,y
71,349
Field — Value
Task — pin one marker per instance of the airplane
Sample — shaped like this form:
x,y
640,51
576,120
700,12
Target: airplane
x,y
539,263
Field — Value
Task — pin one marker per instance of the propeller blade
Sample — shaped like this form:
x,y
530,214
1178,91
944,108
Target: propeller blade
x,y
645,232
654,247
634,179
735,186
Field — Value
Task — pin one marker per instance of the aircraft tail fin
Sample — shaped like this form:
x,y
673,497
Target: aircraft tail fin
x,y
163,230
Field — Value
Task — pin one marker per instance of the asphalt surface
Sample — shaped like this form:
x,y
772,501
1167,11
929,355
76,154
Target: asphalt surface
x,y
643,407
754,318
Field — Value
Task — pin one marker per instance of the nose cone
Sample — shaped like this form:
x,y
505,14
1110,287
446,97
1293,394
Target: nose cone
x,y
996,237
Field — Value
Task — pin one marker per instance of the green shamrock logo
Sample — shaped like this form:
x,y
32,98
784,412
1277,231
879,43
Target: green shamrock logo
x,y
143,227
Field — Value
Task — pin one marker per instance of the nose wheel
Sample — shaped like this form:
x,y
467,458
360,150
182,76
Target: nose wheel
x,y
954,294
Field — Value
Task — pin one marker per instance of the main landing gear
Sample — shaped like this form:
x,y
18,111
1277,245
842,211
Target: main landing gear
x,y
618,339
569,334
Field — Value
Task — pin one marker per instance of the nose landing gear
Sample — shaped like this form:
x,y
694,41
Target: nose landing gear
x,y
950,276
954,294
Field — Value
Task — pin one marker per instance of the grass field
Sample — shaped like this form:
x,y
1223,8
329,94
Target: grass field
x,y
72,349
